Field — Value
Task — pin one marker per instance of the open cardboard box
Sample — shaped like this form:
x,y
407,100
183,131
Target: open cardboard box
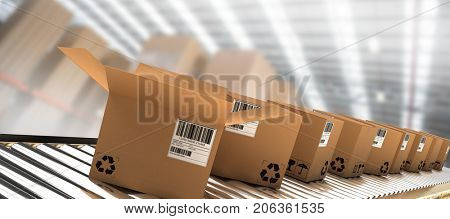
x,y
257,152
433,153
442,156
353,147
314,146
157,136
384,147
420,148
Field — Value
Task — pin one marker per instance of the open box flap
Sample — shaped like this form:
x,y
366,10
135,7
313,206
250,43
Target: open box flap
x,y
88,63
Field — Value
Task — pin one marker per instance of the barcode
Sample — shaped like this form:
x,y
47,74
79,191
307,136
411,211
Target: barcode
x,y
240,105
180,151
422,140
406,138
322,141
328,127
194,132
238,126
381,132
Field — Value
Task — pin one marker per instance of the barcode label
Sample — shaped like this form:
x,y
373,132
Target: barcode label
x,y
248,128
421,144
191,142
379,138
326,134
405,142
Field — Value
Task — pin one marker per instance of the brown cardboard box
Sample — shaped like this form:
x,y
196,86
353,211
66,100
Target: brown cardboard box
x,y
420,148
169,155
249,73
180,54
403,148
384,146
353,147
257,152
314,146
433,153
442,155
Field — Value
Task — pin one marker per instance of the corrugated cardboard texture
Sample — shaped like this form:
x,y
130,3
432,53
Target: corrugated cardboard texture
x,y
442,156
139,150
261,159
180,54
416,159
353,147
309,162
433,153
381,159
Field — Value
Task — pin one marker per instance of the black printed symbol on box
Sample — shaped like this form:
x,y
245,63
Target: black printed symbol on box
x,y
436,165
270,172
324,169
384,168
406,164
291,165
106,165
301,169
358,168
421,165
338,164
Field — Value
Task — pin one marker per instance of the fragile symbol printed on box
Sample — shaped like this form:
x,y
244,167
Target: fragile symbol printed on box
x,y
404,143
248,128
379,138
191,142
326,134
421,144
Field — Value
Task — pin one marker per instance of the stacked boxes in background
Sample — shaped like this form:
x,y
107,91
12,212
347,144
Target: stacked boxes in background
x,y
384,146
442,155
353,147
433,153
257,152
174,53
419,151
314,146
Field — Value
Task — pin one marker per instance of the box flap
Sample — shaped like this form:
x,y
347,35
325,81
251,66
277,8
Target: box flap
x,y
88,63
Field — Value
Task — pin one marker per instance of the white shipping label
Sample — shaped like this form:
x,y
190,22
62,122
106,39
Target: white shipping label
x,y
248,128
326,134
379,138
191,142
421,144
404,143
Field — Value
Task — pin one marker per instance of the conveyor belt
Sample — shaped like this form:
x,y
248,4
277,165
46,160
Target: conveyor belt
x,y
61,171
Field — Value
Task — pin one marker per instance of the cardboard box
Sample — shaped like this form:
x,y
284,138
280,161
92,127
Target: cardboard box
x,y
353,147
243,72
257,152
314,146
442,155
179,54
384,147
433,153
169,155
420,148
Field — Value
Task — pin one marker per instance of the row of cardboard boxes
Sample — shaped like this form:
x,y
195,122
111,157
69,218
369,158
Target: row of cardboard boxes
x,y
164,134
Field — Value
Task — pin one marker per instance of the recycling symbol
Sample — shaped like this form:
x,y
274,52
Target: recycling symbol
x,y
271,173
384,168
324,169
421,165
106,165
338,164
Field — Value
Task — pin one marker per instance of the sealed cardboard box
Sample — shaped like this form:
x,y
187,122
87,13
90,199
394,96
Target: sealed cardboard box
x,y
384,147
257,152
156,137
442,155
353,147
433,153
420,148
244,72
179,54
314,146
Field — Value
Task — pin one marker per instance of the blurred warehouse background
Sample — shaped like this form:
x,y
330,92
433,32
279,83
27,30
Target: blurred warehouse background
x,y
382,60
